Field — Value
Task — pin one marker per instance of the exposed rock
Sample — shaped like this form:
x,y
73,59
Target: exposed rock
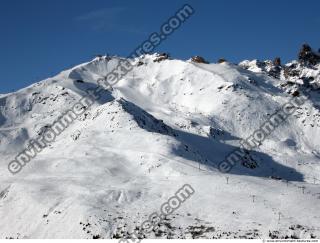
x,y
291,71
295,93
161,57
221,60
277,61
307,56
140,63
199,59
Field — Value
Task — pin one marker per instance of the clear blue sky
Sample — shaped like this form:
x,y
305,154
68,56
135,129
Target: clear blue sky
x,y
40,38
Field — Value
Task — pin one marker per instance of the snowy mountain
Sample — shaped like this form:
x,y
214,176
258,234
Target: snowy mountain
x,y
167,123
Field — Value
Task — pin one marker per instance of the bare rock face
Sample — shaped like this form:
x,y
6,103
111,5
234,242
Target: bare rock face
x,y
277,62
275,68
199,59
308,56
303,72
295,93
271,68
221,60
161,57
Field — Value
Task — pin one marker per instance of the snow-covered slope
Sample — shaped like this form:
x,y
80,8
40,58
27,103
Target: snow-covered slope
x,y
163,125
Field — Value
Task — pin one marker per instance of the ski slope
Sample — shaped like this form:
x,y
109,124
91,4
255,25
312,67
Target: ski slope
x,y
163,125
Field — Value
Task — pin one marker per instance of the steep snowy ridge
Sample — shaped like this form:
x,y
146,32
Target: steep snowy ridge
x,y
163,125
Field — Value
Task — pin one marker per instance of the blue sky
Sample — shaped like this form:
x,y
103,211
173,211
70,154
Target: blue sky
x,y
40,38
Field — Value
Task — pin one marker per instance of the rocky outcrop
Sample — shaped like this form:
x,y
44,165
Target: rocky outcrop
x,y
304,72
161,57
199,59
308,56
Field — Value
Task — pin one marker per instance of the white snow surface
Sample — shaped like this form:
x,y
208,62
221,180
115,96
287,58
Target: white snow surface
x,y
137,145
